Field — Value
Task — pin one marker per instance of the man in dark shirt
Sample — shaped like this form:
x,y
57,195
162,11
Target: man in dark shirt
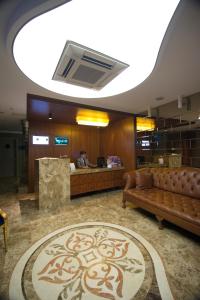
x,y
83,162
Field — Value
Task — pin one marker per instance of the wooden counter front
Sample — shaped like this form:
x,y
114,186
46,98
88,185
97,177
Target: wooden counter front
x,y
90,180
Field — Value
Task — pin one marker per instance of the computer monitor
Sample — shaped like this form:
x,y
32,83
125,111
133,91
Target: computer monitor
x,y
101,162
113,161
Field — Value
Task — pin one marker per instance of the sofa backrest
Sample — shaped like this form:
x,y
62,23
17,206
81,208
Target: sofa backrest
x,y
185,181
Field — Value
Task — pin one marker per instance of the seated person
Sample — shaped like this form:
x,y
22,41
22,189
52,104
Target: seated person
x,y
83,162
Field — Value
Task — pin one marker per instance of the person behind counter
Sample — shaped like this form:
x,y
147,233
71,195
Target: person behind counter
x,y
83,162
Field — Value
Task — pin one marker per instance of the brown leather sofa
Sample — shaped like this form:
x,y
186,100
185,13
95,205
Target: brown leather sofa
x,y
173,195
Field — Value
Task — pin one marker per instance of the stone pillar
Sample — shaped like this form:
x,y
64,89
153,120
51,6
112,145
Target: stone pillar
x,y
52,182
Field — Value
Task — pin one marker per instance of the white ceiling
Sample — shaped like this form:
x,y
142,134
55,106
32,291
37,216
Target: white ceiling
x,y
177,70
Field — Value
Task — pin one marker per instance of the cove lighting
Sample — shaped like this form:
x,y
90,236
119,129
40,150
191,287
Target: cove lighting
x,y
129,30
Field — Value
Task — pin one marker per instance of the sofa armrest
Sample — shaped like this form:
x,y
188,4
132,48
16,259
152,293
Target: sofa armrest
x,y
129,178
3,214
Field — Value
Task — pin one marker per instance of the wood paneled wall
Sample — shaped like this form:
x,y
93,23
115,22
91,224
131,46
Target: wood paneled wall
x,y
80,138
116,139
119,139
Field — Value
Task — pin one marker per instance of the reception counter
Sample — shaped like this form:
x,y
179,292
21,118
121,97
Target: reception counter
x,y
52,182
55,183
90,180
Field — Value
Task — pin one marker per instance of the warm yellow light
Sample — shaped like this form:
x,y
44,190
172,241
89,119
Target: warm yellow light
x,y
92,123
92,118
145,124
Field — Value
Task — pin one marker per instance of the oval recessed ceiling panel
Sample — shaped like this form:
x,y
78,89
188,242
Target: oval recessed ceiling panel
x,y
128,31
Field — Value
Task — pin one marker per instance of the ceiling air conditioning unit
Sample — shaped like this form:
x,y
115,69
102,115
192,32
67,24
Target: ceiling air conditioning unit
x,y
85,67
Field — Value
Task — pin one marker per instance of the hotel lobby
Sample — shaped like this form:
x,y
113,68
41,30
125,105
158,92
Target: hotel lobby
x,y
99,150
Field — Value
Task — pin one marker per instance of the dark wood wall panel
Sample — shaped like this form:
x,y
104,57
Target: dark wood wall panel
x,y
85,138
116,139
80,138
119,139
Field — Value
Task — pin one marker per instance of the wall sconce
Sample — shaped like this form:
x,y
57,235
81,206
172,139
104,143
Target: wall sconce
x,y
50,116
92,118
90,122
145,124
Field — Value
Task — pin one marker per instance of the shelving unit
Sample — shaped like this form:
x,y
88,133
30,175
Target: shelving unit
x,y
151,145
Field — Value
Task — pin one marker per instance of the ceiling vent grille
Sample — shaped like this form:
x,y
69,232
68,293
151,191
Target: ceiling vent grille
x,y
85,67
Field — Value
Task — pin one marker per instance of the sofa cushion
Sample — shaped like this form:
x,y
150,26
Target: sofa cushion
x,y
185,180
144,180
178,205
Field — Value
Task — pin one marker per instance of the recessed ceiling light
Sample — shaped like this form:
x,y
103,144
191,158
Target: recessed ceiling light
x,y
130,31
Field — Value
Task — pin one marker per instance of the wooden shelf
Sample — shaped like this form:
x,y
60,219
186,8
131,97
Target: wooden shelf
x,y
184,143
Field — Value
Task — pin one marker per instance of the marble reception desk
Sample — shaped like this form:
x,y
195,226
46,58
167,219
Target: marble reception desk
x,y
55,183
52,182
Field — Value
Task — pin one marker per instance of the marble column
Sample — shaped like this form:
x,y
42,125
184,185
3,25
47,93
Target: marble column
x,y
52,182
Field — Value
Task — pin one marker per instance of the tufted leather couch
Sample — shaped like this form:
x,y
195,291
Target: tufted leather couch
x,y
174,196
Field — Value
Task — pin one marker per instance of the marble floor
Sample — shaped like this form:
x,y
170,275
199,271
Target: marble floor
x,y
179,250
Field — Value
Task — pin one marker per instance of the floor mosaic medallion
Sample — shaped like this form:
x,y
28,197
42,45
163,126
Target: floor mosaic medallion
x,y
90,261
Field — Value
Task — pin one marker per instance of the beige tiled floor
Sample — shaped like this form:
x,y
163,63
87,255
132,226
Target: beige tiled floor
x,y
179,249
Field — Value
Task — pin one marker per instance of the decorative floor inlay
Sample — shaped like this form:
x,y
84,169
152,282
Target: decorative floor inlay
x,y
90,261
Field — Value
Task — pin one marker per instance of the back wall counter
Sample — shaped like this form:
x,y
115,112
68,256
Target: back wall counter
x,y
116,139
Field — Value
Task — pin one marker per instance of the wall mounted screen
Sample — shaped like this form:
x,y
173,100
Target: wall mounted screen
x,y
61,140
40,140
145,143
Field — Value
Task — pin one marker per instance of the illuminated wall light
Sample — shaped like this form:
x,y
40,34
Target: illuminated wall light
x,y
97,123
92,118
145,124
50,116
